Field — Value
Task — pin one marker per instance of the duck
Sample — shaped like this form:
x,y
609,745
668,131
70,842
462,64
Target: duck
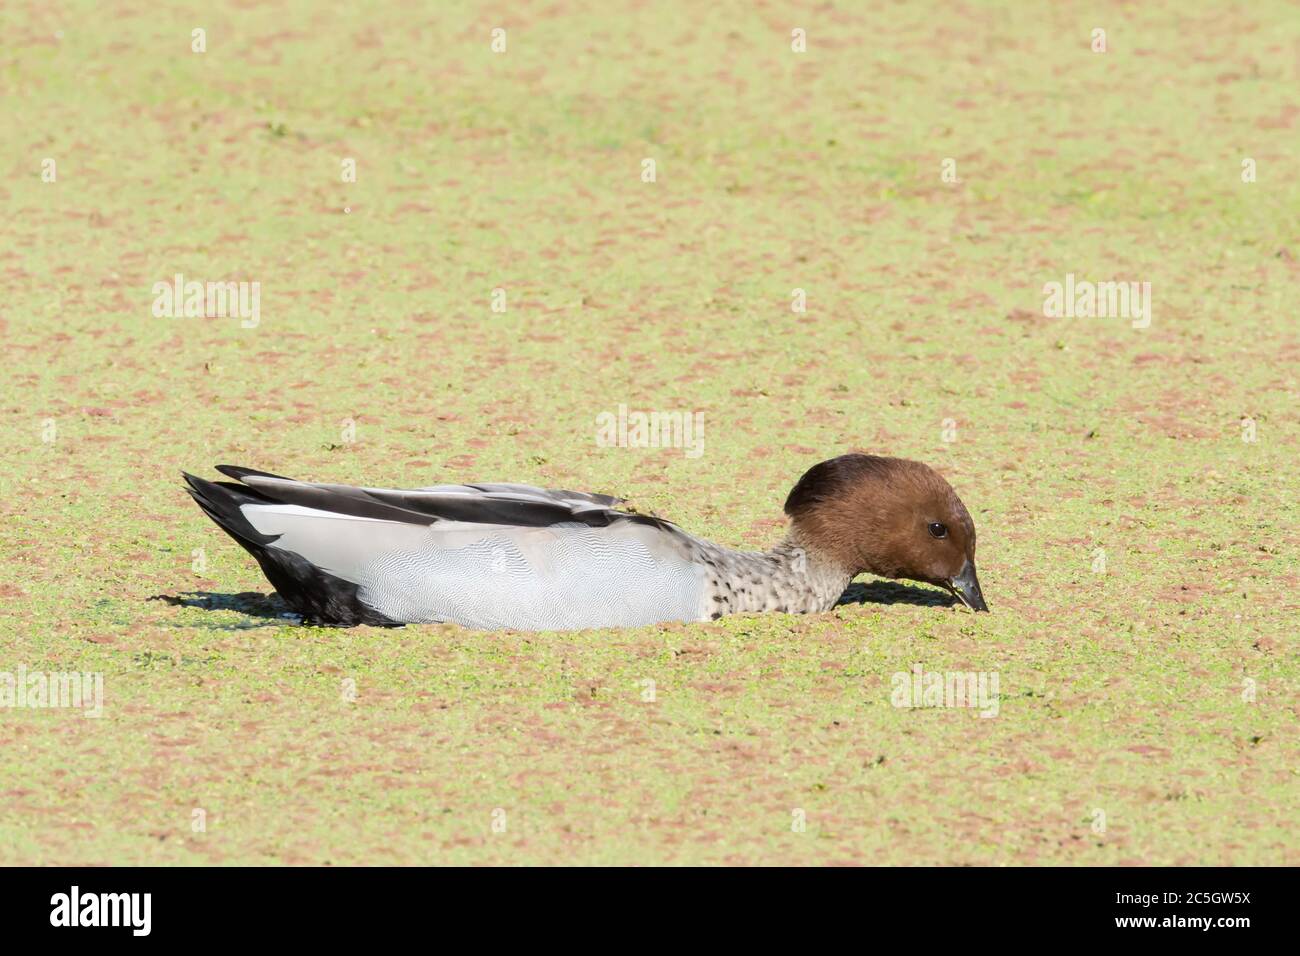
x,y
519,557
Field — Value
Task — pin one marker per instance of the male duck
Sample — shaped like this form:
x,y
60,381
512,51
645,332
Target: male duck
x,y
514,556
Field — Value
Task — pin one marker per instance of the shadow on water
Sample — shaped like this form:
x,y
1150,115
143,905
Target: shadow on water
x,y
891,592
267,606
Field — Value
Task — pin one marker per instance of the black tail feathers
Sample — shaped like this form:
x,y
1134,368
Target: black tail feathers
x,y
320,597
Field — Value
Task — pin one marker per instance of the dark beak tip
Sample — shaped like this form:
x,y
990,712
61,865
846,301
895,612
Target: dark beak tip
x,y
966,586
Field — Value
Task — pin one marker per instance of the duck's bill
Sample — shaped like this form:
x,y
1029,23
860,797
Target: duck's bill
x,y
967,588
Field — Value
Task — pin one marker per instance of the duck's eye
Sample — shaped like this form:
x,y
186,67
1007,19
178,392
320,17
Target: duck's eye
x,y
938,529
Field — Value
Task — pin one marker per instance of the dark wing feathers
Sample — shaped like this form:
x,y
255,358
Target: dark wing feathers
x,y
422,507
340,499
498,504
556,494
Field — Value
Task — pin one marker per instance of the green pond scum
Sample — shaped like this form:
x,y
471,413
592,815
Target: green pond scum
x,y
466,270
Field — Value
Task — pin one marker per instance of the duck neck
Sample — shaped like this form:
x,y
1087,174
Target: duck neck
x,y
791,577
